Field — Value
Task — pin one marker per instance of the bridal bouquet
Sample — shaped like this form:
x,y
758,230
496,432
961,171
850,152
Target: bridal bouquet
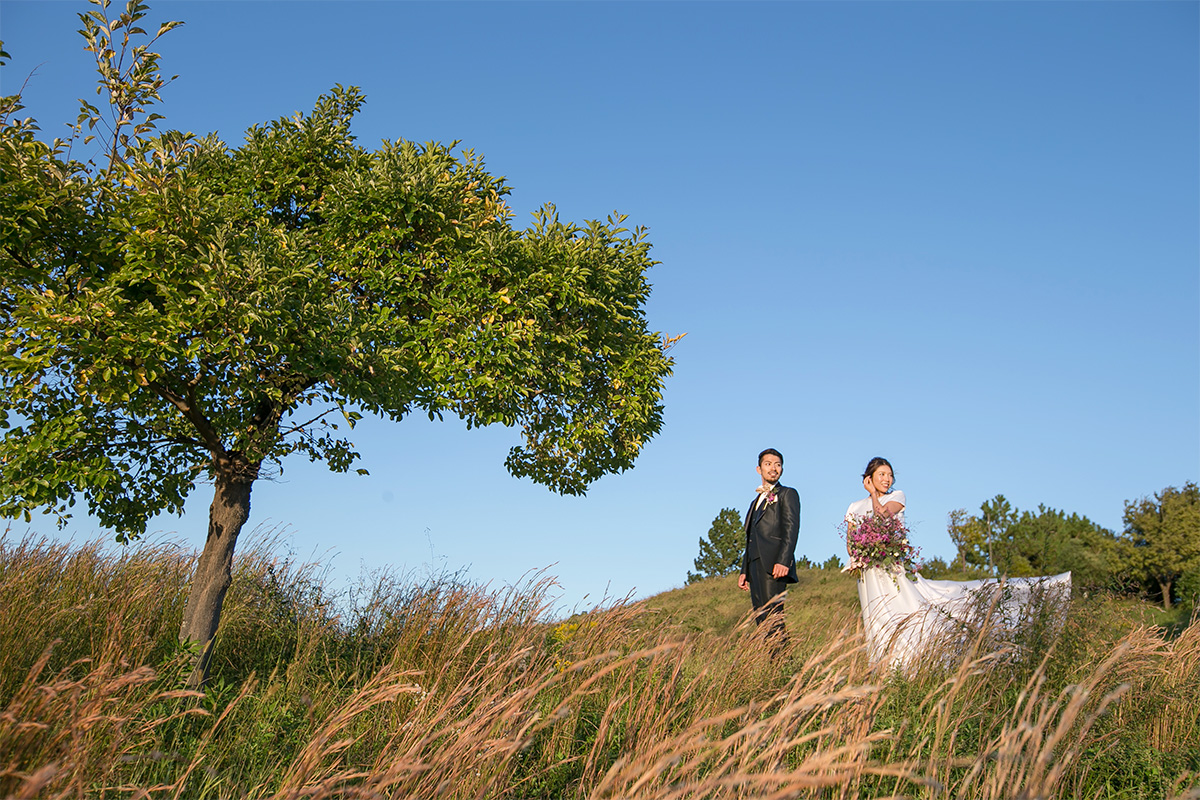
x,y
880,541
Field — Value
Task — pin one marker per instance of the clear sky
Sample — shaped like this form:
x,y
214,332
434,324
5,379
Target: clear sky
x,y
960,235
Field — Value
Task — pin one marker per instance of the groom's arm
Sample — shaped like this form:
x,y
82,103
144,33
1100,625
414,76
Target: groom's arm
x,y
789,522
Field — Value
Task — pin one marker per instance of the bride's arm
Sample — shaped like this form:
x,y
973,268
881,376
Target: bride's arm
x,y
889,508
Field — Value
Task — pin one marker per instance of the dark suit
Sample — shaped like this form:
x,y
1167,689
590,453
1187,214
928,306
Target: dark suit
x,y
772,528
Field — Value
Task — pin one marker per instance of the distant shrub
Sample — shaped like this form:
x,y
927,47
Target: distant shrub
x,y
934,568
832,563
1188,587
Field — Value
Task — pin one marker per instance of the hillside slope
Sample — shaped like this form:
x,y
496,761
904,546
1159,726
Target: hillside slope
x,y
822,602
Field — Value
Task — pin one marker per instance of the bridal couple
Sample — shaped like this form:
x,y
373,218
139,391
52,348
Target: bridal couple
x,y
773,527
899,615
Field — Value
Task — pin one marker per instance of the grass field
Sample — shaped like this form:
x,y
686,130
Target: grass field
x,y
439,689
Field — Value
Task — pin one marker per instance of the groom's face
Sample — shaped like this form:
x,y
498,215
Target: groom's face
x,y
770,468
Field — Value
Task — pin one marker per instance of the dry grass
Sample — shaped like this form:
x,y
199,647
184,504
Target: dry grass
x,y
439,689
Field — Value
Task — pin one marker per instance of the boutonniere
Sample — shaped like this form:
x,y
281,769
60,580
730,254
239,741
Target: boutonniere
x,y
771,496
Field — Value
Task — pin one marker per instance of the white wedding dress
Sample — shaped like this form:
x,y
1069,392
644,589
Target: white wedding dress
x,y
902,616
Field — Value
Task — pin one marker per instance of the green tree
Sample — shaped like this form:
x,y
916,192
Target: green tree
x,y
996,515
980,538
1163,536
1051,541
934,568
968,534
177,310
1188,586
721,551
1023,543
834,562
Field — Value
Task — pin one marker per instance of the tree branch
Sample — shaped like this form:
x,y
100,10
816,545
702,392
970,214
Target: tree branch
x,y
186,403
302,427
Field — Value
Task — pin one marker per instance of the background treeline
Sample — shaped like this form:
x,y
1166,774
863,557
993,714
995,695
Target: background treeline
x,y
1156,555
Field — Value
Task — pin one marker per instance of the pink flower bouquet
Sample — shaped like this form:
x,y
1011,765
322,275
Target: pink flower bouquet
x,y
880,541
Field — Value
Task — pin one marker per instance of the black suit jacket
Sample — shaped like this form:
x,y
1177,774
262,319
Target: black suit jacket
x,y
772,530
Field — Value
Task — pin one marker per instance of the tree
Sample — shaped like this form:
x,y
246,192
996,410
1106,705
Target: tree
x,y
1188,586
178,310
721,552
934,568
996,515
979,537
968,534
1163,534
1051,542
1022,543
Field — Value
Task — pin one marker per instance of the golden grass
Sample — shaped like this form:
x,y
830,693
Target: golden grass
x,y
440,689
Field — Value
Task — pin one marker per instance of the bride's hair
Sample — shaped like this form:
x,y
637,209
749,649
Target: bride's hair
x,y
877,462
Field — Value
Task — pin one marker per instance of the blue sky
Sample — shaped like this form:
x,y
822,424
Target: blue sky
x,y
960,235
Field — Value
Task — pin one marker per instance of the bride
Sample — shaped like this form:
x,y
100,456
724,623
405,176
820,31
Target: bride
x,y
902,616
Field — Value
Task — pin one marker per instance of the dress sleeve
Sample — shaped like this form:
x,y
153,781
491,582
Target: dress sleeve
x,y
896,496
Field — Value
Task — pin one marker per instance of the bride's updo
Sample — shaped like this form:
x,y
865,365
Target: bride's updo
x,y
877,462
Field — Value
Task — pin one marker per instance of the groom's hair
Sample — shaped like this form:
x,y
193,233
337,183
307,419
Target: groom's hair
x,y
770,451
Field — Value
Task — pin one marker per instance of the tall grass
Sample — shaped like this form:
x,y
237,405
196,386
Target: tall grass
x,y
437,688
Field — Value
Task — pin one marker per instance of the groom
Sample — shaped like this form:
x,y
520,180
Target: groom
x,y
772,528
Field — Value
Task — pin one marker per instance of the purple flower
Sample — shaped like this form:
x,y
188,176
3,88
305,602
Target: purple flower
x,y
880,541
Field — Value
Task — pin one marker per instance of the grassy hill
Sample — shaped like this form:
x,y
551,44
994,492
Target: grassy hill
x,y
827,601
822,600
440,689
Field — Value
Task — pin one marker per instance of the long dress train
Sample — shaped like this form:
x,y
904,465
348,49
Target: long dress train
x,y
902,617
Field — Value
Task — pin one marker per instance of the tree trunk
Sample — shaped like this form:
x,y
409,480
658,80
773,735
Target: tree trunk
x,y
1165,586
228,513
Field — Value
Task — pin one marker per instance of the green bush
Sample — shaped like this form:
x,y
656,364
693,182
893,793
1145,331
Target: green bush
x,y
1188,587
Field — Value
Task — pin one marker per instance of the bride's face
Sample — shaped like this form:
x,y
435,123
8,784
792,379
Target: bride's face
x,y
882,479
